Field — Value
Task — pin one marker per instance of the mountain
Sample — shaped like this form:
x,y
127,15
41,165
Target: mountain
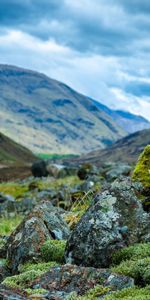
x,y
46,115
126,149
11,152
127,121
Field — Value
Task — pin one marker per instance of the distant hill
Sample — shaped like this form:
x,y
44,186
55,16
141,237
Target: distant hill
x,y
126,149
47,116
127,121
11,152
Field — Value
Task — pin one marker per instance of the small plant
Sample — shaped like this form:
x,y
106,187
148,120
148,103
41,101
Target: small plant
x,y
53,250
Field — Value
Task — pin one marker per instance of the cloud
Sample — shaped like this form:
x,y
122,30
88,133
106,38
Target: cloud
x,y
101,48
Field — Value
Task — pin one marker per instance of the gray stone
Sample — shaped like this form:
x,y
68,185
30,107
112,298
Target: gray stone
x,y
115,220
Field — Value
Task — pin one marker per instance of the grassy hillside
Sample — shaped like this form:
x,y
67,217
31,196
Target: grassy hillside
x,y
49,117
12,152
125,150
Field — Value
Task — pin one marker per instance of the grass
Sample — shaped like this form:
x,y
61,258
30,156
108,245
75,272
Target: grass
x,y
7,225
15,189
55,156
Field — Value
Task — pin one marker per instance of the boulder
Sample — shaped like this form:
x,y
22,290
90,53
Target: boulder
x,y
62,280
115,219
118,170
43,223
39,169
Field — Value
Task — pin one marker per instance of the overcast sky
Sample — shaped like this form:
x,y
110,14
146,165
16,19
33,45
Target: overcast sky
x,y
100,48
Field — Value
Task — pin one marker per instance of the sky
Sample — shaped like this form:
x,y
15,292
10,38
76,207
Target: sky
x,y
100,48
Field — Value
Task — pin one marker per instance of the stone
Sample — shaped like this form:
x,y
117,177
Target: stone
x,y
114,220
60,281
118,170
43,223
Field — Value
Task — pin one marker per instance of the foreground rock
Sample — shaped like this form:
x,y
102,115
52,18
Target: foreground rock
x,y
115,219
44,222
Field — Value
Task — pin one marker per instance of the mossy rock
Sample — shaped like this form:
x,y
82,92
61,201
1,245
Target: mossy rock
x,y
53,250
141,172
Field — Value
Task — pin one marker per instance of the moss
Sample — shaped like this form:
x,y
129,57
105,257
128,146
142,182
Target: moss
x,y
37,267
130,294
7,225
142,170
53,250
91,294
138,269
135,252
22,280
36,291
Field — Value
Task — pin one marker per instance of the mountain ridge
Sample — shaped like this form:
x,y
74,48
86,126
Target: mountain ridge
x,y
48,116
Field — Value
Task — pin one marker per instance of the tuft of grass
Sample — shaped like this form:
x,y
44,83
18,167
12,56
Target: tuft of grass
x,y
7,225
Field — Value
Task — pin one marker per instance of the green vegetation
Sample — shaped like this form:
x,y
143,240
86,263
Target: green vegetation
x,y
142,170
53,250
36,291
134,262
15,189
57,184
135,252
130,294
55,156
22,280
91,294
7,225
42,266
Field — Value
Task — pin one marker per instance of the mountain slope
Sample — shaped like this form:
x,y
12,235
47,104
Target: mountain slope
x,y
47,116
11,152
127,121
126,149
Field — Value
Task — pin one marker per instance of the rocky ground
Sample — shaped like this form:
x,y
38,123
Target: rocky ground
x,y
76,232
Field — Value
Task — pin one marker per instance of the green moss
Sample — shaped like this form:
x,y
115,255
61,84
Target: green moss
x,y
142,170
138,269
44,267
22,280
135,252
130,294
36,291
91,294
7,225
53,250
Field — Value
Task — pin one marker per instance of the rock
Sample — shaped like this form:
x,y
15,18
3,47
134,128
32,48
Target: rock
x,y
44,222
43,168
8,294
39,169
141,172
87,170
115,219
116,171
62,280
7,205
